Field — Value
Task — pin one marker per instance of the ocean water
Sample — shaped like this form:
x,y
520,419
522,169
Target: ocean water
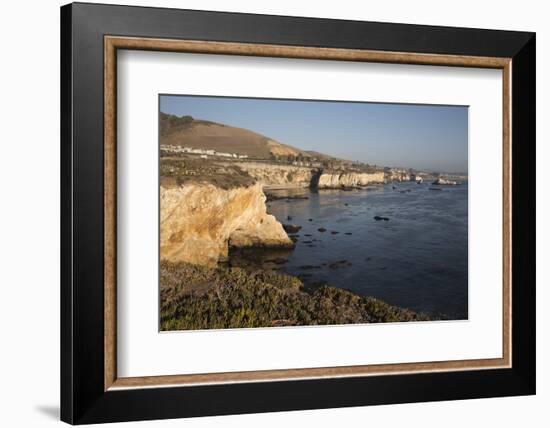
x,y
417,259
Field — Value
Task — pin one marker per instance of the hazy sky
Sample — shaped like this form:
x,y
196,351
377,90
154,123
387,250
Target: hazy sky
x,y
407,135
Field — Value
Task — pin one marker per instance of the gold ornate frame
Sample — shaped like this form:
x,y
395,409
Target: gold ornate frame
x,y
113,43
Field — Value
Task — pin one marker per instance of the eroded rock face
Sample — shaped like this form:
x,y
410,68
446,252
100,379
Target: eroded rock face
x,y
348,179
398,176
198,222
273,175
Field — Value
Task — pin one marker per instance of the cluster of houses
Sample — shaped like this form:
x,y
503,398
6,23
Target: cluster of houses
x,y
308,163
203,153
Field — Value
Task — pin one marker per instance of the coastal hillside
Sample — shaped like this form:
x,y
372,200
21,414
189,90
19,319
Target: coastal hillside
x,y
186,131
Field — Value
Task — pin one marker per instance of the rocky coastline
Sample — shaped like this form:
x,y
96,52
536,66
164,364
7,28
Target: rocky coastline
x,y
202,216
208,209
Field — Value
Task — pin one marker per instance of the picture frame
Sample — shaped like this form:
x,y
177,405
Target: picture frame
x,y
91,391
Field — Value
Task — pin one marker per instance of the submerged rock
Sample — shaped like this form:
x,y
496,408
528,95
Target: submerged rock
x,y
287,198
339,264
309,267
291,228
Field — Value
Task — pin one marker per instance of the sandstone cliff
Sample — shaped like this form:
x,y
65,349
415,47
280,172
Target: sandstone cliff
x,y
287,175
339,179
398,176
198,222
279,175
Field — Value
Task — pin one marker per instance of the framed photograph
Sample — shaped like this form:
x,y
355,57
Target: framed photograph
x,y
267,213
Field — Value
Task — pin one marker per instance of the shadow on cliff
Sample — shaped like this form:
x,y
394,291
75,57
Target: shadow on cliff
x,y
314,184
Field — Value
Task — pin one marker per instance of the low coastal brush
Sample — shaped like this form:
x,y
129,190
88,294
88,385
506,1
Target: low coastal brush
x,y
198,297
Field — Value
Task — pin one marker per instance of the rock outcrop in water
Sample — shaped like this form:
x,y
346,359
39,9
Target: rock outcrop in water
x,y
338,179
444,182
199,222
